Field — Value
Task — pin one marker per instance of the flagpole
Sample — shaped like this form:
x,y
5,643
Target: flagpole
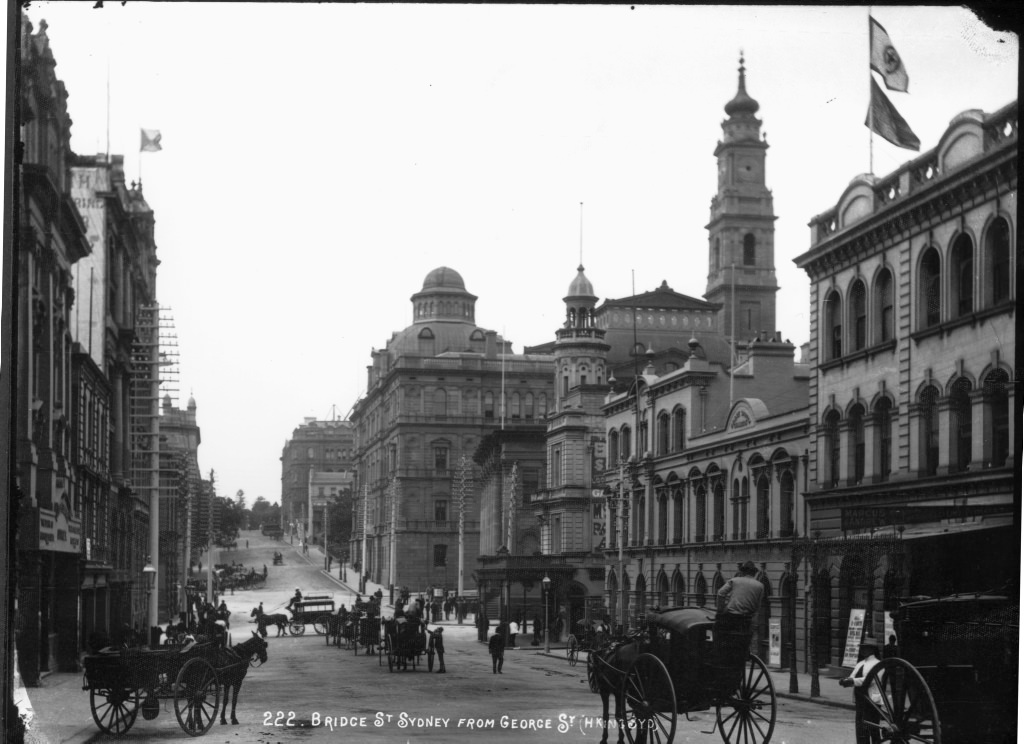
x,y
871,107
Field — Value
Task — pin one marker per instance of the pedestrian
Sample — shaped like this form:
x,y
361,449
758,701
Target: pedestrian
x,y
264,570
538,626
497,648
437,636
866,702
892,648
513,631
223,613
482,625
246,544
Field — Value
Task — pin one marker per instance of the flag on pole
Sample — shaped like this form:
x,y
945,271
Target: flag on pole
x,y
885,60
150,141
885,120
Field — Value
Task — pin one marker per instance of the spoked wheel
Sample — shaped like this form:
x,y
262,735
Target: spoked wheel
x,y
650,700
114,709
592,679
898,706
322,626
196,697
572,650
747,716
296,627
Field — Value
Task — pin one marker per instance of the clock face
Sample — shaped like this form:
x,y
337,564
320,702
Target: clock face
x,y
748,170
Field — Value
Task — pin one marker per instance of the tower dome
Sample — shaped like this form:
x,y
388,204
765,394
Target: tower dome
x,y
444,278
581,286
742,103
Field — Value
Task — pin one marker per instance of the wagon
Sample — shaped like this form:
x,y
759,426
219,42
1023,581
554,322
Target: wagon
x,y
121,683
589,636
405,640
316,609
954,678
677,666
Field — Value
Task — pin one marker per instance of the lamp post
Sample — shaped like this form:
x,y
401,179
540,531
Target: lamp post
x,y
149,574
546,586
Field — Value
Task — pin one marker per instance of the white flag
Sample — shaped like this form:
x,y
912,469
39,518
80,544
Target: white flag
x,y
885,60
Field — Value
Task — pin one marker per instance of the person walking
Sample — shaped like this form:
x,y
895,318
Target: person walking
x,y
513,631
482,625
497,648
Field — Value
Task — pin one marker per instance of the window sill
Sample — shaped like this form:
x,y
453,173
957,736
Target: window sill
x,y
967,320
861,354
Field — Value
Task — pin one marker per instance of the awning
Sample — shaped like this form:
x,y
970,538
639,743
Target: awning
x,y
921,531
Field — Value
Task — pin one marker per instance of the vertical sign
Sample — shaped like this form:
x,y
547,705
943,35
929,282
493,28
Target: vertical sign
x,y
599,520
853,636
775,642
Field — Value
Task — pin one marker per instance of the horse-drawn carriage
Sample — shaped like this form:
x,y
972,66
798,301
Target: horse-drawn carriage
x,y
316,609
278,558
954,679
121,682
589,636
405,640
678,666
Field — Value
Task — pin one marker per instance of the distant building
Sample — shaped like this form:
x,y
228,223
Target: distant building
x,y
315,447
436,390
327,492
915,447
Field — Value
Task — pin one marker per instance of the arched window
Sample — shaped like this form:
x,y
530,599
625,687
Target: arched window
x,y
763,507
996,417
929,299
744,504
929,429
962,276
542,406
678,589
663,433
425,342
613,597
700,519
516,410
625,443
883,307
677,516
749,252
735,499
528,405
831,453
787,505
643,446
883,427
679,429
719,512
857,443
488,405
700,590
663,518
997,258
716,255
440,403
613,448
833,326
859,315
960,425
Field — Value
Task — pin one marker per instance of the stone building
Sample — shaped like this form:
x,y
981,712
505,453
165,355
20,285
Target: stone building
x,y
435,390
914,443
51,238
315,447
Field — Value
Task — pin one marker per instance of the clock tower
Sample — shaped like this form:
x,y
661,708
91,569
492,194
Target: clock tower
x,y
741,233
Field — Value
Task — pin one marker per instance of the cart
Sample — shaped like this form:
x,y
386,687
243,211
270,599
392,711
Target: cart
x,y
316,609
954,679
122,682
278,559
404,642
590,635
677,666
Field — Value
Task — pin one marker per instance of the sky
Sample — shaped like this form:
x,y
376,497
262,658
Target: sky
x,y
319,160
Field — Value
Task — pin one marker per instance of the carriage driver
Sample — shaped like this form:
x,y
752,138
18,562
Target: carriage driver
x,y
739,599
867,714
293,603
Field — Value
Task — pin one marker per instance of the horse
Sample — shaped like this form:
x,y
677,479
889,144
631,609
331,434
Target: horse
x,y
611,666
232,666
263,620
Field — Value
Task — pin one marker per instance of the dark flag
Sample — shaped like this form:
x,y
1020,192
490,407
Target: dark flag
x,y
885,120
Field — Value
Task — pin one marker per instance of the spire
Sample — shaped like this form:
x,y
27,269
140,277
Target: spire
x,y
742,103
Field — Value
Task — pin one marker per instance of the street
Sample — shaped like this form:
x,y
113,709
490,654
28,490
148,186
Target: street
x,y
309,691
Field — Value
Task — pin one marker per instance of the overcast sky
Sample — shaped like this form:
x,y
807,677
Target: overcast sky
x,y
319,160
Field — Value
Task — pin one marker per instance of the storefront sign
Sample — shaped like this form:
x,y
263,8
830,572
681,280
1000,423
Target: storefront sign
x,y
775,643
853,636
860,518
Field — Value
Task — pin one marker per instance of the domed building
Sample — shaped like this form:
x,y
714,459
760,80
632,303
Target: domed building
x,y
436,390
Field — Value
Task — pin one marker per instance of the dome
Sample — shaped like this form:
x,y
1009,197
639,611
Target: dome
x,y
581,286
443,277
741,102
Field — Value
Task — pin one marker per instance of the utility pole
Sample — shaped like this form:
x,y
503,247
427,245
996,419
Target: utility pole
x,y
209,544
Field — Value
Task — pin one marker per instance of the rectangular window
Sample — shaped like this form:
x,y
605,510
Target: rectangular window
x,y
441,510
440,458
556,467
440,556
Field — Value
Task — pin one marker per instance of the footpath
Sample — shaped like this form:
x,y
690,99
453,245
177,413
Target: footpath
x,y
60,713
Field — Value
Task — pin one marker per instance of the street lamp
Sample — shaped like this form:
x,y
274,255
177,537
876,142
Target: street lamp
x,y
149,575
546,586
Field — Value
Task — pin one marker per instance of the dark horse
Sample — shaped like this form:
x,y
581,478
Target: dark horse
x,y
233,664
611,664
263,620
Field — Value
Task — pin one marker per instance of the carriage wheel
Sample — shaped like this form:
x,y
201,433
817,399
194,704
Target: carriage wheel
x,y
592,678
748,715
650,701
114,710
322,625
899,705
386,646
572,650
196,696
296,627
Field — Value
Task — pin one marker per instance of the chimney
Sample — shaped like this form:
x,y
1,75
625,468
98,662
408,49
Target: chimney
x,y
491,348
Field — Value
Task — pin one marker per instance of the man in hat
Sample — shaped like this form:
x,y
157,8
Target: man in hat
x,y
739,599
437,635
866,700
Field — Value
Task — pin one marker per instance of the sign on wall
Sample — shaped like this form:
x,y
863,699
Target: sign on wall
x,y
853,636
775,642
